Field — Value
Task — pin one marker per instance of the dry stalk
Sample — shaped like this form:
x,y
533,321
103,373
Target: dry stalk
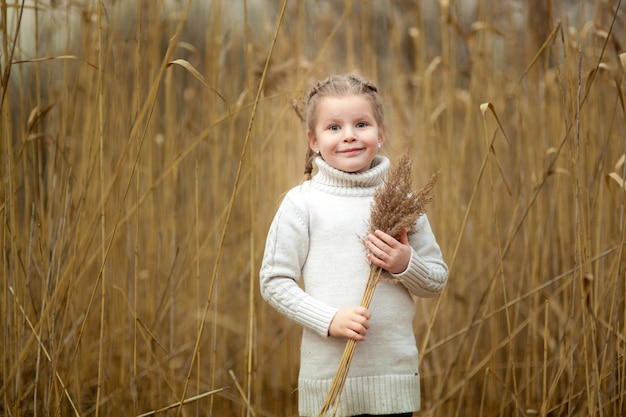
x,y
395,208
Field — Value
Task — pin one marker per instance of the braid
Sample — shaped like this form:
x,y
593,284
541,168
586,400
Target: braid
x,y
308,164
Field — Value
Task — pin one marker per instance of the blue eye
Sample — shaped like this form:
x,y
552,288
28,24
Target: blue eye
x,y
361,124
334,127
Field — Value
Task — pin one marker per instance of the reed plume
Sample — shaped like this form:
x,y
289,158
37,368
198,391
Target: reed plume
x,y
395,208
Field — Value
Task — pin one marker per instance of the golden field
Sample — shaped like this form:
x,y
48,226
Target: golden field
x,y
145,146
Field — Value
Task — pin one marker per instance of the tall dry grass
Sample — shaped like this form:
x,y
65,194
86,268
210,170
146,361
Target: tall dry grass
x,y
139,179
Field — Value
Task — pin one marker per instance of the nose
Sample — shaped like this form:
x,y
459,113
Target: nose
x,y
349,134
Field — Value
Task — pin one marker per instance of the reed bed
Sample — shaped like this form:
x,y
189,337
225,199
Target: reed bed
x,y
145,147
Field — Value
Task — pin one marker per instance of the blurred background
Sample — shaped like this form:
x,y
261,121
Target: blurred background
x,y
145,146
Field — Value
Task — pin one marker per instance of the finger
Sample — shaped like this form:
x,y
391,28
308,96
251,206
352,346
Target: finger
x,y
373,240
378,239
360,330
361,323
351,333
404,238
374,252
360,310
356,336
378,246
384,237
374,259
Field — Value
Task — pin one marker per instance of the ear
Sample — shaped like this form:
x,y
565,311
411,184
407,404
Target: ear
x,y
382,134
310,135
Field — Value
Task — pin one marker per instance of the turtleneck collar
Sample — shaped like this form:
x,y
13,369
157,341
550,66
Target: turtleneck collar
x,y
335,181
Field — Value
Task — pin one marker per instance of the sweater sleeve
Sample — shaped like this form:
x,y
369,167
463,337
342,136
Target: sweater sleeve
x,y
427,272
286,250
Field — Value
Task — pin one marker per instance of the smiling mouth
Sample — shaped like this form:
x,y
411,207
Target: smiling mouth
x,y
351,150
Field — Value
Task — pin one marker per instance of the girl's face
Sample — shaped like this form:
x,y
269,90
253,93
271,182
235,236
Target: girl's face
x,y
346,132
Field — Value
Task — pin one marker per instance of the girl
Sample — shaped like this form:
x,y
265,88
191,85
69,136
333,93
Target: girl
x,y
316,239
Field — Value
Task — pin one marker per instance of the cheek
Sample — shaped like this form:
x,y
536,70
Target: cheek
x,y
325,141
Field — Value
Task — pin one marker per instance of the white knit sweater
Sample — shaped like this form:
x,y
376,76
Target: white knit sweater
x,y
315,263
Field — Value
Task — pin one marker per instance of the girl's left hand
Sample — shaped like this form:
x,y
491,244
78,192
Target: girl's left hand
x,y
388,253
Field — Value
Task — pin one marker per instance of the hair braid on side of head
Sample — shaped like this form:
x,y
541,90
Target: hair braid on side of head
x,y
308,164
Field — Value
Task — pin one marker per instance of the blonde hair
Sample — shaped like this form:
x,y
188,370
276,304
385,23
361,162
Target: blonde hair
x,y
337,85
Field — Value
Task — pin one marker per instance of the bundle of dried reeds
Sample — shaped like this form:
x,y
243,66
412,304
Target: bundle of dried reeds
x,y
395,209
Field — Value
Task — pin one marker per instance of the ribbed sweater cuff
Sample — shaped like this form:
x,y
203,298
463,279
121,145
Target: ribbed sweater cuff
x,y
316,315
420,279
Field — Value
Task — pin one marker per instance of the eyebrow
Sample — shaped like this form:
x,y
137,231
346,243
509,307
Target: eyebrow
x,y
358,116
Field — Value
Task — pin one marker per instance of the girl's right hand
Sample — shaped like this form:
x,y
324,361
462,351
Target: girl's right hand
x,y
351,322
